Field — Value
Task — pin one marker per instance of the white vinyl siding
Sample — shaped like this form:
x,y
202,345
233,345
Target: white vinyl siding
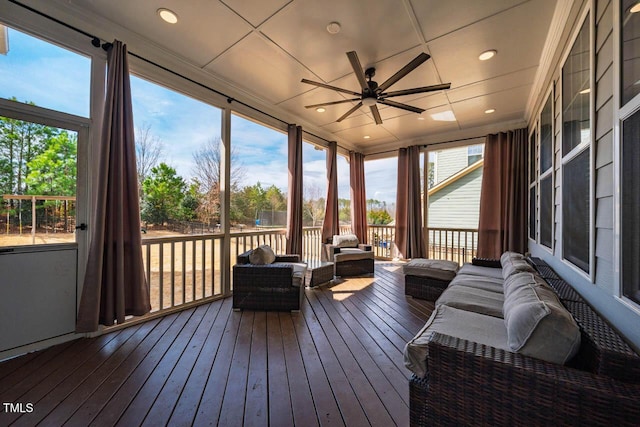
x,y
458,204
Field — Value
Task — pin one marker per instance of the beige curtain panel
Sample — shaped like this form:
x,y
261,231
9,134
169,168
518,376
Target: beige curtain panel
x,y
358,196
331,218
114,285
294,198
503,200
409,236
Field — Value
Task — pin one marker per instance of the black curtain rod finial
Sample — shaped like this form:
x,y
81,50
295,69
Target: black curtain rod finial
x,y
95,42
106,46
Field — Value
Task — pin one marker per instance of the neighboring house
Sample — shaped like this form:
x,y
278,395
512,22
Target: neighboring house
x,y
454,199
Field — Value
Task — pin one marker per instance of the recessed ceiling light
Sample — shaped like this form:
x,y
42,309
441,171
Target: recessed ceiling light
x,y
490,110
321,109
167,15
487,55
366,137
333,27
635,8
585,91
420,118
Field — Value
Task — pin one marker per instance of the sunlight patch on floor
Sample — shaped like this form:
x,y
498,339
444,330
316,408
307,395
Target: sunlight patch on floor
x,y
348,287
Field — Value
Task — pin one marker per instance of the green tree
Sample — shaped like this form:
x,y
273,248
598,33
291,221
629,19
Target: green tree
x,y
190,203
53,172
20,143
344,210
164,193
379,217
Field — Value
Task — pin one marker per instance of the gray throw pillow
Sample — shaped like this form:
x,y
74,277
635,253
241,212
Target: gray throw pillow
x,y
513,262
262,255
537,323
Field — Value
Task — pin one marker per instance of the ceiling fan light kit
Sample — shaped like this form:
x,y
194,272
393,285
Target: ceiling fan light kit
x,y
372,94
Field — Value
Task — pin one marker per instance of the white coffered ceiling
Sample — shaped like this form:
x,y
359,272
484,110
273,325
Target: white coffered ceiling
x,y
265,47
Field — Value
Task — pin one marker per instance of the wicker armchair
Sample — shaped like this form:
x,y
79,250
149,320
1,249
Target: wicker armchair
x,y
275,286
350,257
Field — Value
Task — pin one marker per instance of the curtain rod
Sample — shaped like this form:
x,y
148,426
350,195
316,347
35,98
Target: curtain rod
x,y
428,145
97,42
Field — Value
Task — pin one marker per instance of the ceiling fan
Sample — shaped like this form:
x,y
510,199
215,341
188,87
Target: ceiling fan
x,y
372,93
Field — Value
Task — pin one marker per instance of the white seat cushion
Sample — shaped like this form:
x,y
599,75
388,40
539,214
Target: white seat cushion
x,y
457,323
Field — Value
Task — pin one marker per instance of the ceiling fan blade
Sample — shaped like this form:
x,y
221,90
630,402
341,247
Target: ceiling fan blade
x,y
324,104
326,86
348,113
404,71
416,90
357,68
399,105
376,114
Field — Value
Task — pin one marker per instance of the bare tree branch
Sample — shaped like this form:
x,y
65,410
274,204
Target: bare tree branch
x,y
149,150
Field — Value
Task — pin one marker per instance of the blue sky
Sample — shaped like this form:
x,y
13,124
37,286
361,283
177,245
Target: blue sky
x,y
55,78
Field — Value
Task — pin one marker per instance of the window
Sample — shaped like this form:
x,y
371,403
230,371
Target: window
x,y
576,165
546,211
546,174
546,137
475,153
575,205
260,197
38,72
344,191
381,180
630,51
454,197
630,208
39,150
314,171
532,185
177,143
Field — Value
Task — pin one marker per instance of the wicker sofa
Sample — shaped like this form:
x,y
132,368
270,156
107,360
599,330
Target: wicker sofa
x,y
465,381
276,283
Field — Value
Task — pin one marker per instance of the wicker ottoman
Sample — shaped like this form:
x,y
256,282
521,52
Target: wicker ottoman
x,y
427,278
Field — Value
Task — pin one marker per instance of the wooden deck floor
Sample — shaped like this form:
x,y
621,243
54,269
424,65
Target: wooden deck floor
x,y
336,362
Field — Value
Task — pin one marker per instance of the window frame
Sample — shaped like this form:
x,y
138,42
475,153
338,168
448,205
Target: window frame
x,y
587,17
622,112
533,183
549,173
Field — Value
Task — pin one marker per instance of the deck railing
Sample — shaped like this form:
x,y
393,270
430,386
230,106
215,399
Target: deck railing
x,y
187,268
459,245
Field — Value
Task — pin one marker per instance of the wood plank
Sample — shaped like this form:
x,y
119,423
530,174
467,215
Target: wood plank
x,y
280,406
303,378
232,413
368,383
107,390
210,404
336,362
384,356
256,405
326,404
38,361
350,408
128,390
168,397
187,406
65,409
140,406
40,381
